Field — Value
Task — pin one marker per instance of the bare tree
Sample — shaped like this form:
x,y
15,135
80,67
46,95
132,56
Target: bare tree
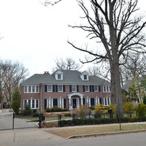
x,y
67,64
135,66
11,74
112,23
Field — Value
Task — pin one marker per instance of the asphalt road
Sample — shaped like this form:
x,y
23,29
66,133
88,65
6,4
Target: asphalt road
x,y
38,137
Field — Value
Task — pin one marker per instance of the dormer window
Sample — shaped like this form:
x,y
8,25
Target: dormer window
x,y
85,76
59,75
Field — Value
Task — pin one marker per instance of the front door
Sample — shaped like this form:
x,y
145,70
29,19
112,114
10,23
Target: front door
x,y
74,101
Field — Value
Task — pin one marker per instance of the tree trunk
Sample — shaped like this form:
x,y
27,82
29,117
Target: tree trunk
x,y
116,94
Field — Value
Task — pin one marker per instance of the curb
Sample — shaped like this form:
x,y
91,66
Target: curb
x,y
105,134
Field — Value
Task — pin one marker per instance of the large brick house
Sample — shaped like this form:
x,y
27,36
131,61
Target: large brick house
x,y
66,89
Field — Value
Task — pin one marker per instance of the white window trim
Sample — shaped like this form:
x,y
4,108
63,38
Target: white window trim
x,y
74,88
58,88
85,88
50,89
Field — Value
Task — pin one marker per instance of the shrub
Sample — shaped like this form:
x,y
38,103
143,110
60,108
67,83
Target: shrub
x,y
27,111
128,108
55,109
83,112
141,110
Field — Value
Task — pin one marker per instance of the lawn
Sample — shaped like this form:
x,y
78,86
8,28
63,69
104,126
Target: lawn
x,y
70,132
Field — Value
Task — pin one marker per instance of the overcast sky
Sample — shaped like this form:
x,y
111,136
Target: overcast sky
x,y
36,36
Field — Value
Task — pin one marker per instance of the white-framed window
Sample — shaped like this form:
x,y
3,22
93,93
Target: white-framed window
x,y
60,88
74,88
33,89
32,103
86,88
49,88
96,88
84,76
25,89
29,89
59,75
37,89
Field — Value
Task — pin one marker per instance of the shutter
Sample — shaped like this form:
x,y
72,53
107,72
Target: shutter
x,y
83,88
53,88
90,88
70,88
56,88
99,88
45,88
63,88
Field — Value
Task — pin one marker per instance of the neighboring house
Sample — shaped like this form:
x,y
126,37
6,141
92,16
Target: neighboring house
x,y
66,89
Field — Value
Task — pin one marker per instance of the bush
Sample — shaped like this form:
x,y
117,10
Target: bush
x,y
27,111
55,109
82,112
128,108
141,111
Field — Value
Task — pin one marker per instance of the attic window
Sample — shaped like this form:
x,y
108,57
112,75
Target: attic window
x,y
85,77
59,76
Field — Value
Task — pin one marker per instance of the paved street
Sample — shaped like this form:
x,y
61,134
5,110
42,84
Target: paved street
x,y
39,137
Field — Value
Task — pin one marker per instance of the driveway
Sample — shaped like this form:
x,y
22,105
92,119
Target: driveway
x,y
6,122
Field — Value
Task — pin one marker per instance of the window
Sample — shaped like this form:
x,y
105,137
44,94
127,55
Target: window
x,y
29,89
59,76
37,89
25,104
55,102
92,102
33,89
60,88
96,88
86,88
85,77
25,89
49,88
29,103
74,88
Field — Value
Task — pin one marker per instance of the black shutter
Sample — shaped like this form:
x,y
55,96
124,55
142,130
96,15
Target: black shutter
x,y
99,88
92,88
53,88
45,88
70,88
63,88
77,88
56,88
83,88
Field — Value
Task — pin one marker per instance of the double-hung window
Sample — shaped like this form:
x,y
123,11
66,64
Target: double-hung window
x,y
60,88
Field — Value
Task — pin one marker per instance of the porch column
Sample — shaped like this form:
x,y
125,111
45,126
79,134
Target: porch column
x,y
81,100
96,101
62,102
89,101
70,105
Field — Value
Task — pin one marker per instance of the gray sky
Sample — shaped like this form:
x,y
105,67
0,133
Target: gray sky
x,y
36,36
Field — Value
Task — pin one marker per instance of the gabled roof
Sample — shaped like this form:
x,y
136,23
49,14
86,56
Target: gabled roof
x,y
70,77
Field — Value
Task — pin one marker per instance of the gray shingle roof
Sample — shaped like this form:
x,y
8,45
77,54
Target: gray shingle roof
x,y
70,77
